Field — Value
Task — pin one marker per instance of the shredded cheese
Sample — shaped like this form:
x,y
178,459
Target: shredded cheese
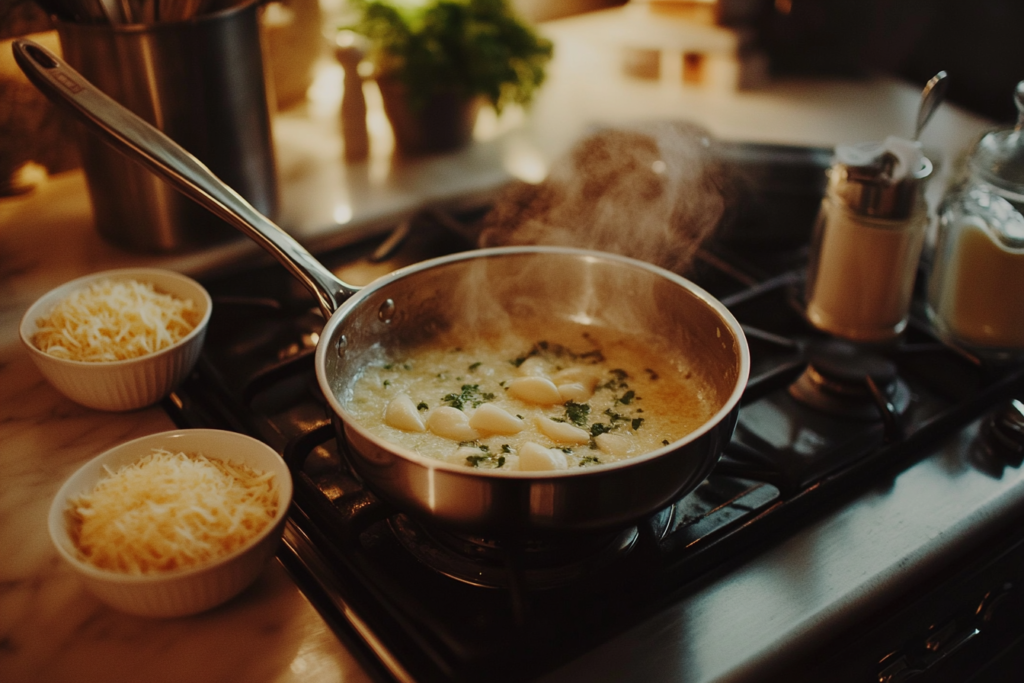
x,y
114,320
171,511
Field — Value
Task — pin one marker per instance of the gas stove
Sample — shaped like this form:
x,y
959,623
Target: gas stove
x,y
821,420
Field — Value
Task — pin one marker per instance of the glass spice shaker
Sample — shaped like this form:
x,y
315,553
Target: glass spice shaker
x,y
867,241
976,281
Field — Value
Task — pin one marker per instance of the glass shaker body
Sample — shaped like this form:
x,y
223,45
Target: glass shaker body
x,y
861,275
976,282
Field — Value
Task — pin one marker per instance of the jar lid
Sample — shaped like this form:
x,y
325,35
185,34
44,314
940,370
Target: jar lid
x,y
998,158
880,180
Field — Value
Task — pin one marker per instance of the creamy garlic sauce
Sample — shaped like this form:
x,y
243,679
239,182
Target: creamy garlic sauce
x,y
532,403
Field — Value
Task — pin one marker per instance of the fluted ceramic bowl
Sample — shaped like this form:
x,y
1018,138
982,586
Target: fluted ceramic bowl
x,y
184,591
125,384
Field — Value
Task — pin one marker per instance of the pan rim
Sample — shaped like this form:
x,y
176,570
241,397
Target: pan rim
x,y
356,300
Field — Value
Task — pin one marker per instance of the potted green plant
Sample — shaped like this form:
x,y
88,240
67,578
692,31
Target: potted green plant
x,y
437,61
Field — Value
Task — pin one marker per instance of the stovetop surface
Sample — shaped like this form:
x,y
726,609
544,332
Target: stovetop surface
x,y
363,565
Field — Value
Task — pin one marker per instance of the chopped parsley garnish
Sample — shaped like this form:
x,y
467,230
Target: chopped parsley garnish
x,y
567,451
423,406
617,381
470,395
626,398
485,460
637,421
664,442
616,417
387,382
599,428
577,413
590,460
553,351
474,366
505,448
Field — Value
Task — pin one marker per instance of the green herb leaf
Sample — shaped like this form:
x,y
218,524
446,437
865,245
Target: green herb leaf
x,y
470,395
577,413
477,47
616,417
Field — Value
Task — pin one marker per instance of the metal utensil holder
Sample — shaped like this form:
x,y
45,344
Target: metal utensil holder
x,y
201,81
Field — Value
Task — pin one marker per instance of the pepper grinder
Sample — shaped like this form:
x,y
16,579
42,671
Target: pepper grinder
x,y
867,241
349,50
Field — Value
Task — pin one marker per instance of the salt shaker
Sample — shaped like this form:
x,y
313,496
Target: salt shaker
x,y
867,241
976,281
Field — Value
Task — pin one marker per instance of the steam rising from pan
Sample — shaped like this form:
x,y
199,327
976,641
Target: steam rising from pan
x,y
652,192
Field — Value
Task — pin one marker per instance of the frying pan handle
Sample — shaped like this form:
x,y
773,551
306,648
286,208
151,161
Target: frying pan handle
x,y
137,139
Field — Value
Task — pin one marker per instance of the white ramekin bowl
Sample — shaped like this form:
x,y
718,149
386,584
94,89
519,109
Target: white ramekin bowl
x,y
186,591
127,384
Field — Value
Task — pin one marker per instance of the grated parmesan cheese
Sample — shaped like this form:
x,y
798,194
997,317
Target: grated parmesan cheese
x,y
114,320
171,511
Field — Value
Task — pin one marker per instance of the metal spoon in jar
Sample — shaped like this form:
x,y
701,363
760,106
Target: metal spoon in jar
x,y
931,97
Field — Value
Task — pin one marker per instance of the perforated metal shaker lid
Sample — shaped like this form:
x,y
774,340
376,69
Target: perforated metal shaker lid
x,y
881,180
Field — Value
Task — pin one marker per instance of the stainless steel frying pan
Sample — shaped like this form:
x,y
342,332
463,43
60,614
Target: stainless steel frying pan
x,y
564,286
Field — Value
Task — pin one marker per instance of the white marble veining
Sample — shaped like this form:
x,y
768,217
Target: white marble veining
x,y
50,628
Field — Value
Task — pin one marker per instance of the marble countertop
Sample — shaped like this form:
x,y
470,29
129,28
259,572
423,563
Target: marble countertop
x,y
51,629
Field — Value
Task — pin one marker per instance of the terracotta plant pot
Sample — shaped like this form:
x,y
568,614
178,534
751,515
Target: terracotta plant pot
x,y
445,121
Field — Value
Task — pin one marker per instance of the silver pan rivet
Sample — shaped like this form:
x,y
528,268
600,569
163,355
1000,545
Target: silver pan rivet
x,y
386,311
341,345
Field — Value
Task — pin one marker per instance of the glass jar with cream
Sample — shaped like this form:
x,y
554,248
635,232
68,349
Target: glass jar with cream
x,y
976,283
